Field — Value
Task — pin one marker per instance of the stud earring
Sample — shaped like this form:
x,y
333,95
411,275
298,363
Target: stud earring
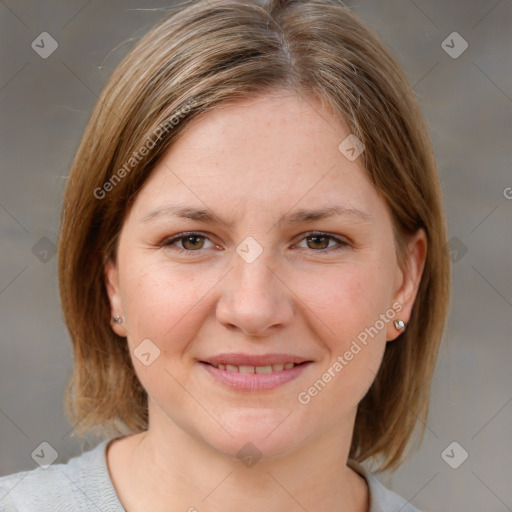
x,y
399,325
117,319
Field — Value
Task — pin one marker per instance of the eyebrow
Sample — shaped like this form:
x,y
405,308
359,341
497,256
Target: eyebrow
x,y
296,217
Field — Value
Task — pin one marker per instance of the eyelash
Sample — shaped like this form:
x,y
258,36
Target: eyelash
x,y
168,242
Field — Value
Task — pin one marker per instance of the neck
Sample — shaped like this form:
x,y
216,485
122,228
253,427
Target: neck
x,y
166,468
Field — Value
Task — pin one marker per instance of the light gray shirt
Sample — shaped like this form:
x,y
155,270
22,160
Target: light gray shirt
x,y
84,484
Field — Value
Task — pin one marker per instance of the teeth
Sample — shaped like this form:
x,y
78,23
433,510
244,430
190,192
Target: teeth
x,y
255,369
263,369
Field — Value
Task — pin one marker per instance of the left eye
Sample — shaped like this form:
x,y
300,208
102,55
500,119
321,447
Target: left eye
x,y
193,242
323,239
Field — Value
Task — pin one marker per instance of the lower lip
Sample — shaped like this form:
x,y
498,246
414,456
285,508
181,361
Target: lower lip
x,y
255,381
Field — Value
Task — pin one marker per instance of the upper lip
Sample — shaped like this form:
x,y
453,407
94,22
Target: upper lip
x,y
239,359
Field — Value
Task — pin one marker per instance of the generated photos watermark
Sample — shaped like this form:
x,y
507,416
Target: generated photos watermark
x,y
304,397
137,156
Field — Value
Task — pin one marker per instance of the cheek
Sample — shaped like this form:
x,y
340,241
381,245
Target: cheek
x,y
160,303
348,303
347,299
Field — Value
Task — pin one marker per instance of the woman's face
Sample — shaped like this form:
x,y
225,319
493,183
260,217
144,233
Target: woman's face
x,y
256,288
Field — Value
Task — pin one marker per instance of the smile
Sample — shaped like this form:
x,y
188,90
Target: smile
x,y
250,378
255,369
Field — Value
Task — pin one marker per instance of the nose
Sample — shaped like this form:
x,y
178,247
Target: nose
x,y
254,298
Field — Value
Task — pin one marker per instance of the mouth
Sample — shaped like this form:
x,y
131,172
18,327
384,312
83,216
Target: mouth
x,y
261,370
254,373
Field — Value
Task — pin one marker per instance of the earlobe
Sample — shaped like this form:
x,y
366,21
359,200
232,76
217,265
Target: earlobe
x,y
409,283
112,287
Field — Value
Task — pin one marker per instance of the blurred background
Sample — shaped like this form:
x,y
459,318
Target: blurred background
x,y
56,56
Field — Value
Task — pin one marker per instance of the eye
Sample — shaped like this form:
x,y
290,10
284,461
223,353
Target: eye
x,y
319,242
190,242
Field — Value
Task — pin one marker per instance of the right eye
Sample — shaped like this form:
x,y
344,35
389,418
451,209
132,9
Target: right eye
x,y
190,241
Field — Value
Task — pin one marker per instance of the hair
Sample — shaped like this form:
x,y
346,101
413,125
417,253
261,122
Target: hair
x,y
201,56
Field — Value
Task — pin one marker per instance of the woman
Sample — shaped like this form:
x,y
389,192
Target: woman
x,y
252,270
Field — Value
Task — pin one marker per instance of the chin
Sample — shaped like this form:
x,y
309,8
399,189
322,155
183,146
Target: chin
x,y
256,433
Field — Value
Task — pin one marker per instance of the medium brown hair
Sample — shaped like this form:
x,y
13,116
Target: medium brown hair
x,y
198,57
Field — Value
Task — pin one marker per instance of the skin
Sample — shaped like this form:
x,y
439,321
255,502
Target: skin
x,y
251,162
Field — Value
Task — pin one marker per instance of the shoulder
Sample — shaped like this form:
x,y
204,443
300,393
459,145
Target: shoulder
x,y
381,498
83,483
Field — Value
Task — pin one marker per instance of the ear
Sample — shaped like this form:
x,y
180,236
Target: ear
x,y
408,281
114,296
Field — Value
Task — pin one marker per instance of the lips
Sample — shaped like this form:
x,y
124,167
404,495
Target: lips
x,y
245,372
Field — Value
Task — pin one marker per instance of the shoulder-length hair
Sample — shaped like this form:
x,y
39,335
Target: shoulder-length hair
x,y
199,56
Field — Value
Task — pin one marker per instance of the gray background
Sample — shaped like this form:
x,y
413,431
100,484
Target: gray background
x,y
45,104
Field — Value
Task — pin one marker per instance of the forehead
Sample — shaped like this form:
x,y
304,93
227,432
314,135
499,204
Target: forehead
x,y
272,151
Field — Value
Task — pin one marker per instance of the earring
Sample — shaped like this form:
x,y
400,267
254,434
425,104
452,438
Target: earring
x,y
117,319
399,325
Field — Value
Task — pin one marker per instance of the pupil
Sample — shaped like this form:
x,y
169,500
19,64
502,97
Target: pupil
x,y
190,239
317,239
